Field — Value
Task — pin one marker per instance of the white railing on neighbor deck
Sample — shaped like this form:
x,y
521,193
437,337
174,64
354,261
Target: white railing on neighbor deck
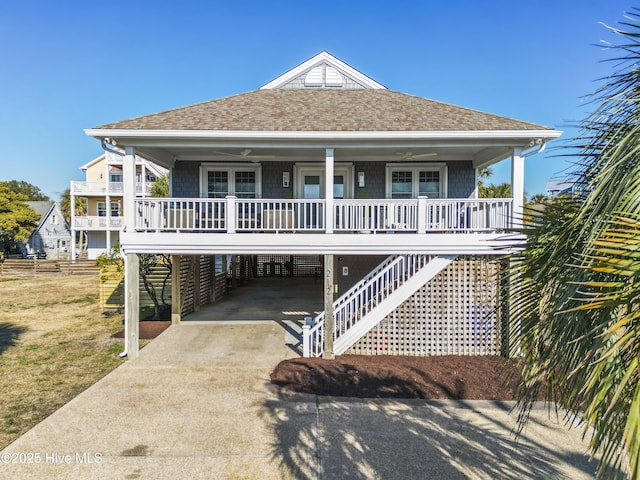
x,y
103,188
363,297
233,215
96,222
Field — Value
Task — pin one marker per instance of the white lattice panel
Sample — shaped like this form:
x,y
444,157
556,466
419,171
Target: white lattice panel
x,y
456,313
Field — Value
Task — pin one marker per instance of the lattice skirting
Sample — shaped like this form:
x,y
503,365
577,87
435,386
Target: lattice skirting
x,y
456,313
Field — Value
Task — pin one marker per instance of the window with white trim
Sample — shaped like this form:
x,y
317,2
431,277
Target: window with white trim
x,y
102,208
115,209
416,180
218,181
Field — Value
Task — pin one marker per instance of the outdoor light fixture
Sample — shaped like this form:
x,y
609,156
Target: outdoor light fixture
x,y
361,179
285,179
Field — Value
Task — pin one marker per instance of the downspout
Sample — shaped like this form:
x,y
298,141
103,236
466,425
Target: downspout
x,y
107,141
541,146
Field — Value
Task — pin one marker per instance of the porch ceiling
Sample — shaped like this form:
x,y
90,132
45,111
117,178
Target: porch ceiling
x,y
481,152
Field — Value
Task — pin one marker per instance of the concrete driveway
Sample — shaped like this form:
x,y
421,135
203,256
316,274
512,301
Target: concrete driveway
x,y
197,404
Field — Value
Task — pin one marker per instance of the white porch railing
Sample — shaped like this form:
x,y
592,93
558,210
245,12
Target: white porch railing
x,y
277,215
376,215
233,215
174,214
104,188
96,222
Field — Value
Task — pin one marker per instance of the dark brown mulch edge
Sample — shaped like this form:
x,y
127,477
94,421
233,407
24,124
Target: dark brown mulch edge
x,y
148,329
438,377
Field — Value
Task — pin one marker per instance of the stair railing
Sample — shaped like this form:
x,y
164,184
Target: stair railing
x,y
363,297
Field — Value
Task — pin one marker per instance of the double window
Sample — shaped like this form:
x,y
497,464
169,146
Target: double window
x,y
416,180
223,180
102,209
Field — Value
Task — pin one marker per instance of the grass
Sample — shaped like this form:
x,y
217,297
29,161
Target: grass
x,y
54,343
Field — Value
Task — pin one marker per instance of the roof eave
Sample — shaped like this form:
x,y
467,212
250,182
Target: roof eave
x,y
114,133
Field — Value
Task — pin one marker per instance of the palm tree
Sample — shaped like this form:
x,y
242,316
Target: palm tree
x,y
80,204
65,205
575,289
160,188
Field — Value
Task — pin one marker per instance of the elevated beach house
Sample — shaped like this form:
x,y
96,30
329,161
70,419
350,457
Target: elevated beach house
x,y
102,219
326,164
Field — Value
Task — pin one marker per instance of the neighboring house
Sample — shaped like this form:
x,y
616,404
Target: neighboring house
x,y
326,164
103,190
561,187
52,237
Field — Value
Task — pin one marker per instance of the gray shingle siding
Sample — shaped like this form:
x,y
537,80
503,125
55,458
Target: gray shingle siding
x,y
461,179
272,180
374,173
186,178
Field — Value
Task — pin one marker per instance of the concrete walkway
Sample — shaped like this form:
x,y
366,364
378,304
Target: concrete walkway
x,y
197,404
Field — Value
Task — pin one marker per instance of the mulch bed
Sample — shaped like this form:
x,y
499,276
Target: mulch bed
x,y
437,377
148,329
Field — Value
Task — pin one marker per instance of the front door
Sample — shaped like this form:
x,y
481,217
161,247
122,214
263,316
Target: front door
x,y
310,185
313,185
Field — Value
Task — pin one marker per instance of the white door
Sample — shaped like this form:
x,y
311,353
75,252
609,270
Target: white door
x,y
313,184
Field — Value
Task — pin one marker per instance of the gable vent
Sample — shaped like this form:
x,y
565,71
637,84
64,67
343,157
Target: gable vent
x,y
314,77
323,76
333,78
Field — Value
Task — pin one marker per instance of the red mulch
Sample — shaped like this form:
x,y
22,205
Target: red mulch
x,y
438,377
148,329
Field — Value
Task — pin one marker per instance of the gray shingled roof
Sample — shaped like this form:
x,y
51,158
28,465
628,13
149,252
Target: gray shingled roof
x,y
323,110
41,207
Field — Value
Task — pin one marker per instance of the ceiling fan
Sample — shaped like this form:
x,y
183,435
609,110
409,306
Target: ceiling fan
x,y
415,156
245,154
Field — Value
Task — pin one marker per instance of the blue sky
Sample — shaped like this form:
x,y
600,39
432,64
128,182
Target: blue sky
x,y
70,65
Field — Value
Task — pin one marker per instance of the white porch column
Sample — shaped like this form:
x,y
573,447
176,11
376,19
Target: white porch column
x,y
143,181
328,307
328,188
72,207
132,304
176,289
129,188
230,213
517,188
422,214
476,179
